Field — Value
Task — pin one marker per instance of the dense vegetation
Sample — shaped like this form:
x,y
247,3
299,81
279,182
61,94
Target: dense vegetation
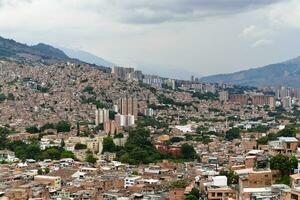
x,y
206,95
233,133
287,132
151,121
61,126
285,165
32,150
139,149
169,101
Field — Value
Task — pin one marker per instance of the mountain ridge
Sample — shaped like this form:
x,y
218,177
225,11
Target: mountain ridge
x,y
39,53
286,73
86,57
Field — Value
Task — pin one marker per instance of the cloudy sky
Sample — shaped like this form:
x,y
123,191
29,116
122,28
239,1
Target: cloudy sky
x,y
170,37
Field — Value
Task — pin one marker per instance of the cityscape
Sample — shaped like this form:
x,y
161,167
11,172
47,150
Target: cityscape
x,y
78,127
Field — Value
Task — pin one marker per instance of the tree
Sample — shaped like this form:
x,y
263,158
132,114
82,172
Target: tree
x,y
47,126
89,89
190,197
40,171
119,135
263,140
112,115
32,129
52,153
232,177
179,184
233,133
281,163
46,170
10,96
188,152
293,162
108,145
67,154
195,192
63,126
62,143
80,146
3,137
176,139
90,158
2,97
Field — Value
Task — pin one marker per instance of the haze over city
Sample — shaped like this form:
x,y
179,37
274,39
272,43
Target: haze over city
x,y
200,37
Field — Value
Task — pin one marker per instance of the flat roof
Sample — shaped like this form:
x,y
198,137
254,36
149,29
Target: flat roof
x,y
258,190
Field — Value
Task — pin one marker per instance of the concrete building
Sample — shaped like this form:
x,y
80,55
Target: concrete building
x,y
54,182
101,116
128,106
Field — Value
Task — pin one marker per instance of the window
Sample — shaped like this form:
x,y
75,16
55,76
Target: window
x,y
219,194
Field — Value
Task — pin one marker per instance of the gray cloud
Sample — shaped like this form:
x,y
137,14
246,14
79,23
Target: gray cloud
x,y
11,2
158,11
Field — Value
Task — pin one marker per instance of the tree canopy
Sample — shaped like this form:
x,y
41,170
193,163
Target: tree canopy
x,y
233,133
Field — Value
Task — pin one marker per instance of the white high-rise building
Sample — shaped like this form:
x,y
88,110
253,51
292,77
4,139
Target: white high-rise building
x,y
124,120
102,115
116,108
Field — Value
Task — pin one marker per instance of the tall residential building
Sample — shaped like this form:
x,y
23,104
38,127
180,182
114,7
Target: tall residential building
x,y
223,96
149,112
101,116
121,72
282,92
254,99
153,80
192,78
286,102
124,120
110,127
128,106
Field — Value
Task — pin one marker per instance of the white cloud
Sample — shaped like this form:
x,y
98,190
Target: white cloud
x,y
285,14
262,42
254,31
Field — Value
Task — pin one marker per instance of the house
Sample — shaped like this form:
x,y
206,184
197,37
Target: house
x,y
130,181
8,156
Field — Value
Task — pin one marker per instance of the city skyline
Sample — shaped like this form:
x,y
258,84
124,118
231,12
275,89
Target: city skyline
x,y
187,37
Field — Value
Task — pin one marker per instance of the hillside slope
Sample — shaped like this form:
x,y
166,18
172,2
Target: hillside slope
x,y
40,53
286,73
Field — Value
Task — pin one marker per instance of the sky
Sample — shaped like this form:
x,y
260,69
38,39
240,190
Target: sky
x,y
176,38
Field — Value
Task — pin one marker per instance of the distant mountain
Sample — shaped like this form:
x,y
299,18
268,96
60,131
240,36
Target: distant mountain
x,y
40,53
87,57
286,74
50,51
177,73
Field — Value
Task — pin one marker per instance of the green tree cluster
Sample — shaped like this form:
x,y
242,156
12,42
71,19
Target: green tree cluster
x,y
206,96
151,121
232,177
179,184
109,145
32,150
233,133
283,163
80,146
287,132
90,157
139,149
2,97
193,195
188,152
